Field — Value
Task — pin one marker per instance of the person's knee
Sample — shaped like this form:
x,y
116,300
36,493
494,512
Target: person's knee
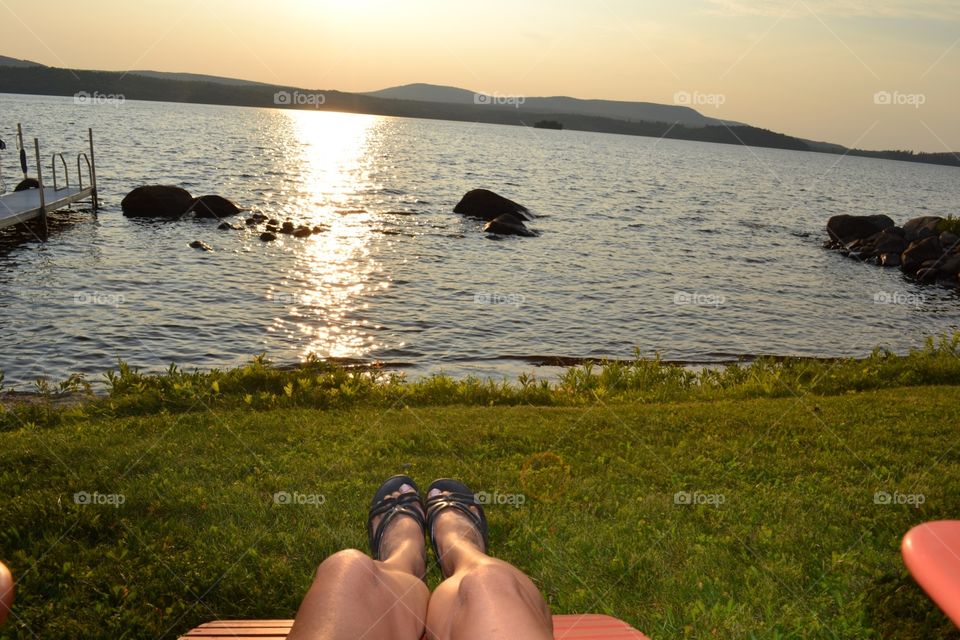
x,y
349,564
486,579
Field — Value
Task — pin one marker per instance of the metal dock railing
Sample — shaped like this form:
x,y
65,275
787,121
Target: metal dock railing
x,y
21,207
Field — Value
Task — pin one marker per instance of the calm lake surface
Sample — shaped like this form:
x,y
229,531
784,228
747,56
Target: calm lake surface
x,y
700,252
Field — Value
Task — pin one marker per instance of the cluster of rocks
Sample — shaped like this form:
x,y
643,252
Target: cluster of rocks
x,y
503,216
171,202
922,247
273,227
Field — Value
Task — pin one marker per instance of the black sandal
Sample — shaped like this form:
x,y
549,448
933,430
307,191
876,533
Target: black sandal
x,y
461,498
383,504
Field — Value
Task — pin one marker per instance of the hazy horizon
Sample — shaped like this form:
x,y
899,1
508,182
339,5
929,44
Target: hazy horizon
x,y
874,75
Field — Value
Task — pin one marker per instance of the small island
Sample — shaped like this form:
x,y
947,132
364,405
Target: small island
x,y
548,124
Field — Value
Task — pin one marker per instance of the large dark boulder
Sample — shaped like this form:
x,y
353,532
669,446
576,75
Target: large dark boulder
x,y
487,205
846,228
156,201
922,227
923,251
214,207
508,224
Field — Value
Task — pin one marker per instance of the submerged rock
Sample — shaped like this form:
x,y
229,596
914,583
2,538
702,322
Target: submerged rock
x,y
487,205
200,244
508,224
156,201
266,236
213,206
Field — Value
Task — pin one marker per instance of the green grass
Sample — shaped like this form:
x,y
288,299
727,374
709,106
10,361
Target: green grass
x,y
795,451
951,223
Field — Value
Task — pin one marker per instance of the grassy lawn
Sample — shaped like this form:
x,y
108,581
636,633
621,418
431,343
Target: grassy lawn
x,y
783,537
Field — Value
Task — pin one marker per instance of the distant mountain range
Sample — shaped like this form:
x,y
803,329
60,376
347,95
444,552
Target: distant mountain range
x,y
425,101
630,111
16,62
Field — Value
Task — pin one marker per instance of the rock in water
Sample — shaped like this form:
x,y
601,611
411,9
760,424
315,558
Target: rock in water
x,y
846,228
919,252
156,201
487,205
27,183
214,207
266,236
508,224
922,227
200,244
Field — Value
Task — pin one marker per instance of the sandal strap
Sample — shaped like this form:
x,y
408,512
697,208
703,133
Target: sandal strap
x,y
408,504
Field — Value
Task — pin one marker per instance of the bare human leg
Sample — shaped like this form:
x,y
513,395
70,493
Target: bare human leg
x,y
483,598
354,597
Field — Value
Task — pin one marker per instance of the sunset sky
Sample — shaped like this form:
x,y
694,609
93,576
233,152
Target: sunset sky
x,y
809,68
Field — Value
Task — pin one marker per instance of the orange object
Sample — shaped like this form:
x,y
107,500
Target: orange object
x,y
931,552
568,627
6,592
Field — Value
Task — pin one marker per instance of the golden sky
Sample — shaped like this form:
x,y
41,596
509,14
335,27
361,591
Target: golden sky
x,y
809,68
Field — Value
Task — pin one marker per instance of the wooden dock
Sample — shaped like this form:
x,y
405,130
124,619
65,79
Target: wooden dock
x,y
21,207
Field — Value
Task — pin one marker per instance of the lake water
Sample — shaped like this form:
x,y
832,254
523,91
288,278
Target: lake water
x,y
700,252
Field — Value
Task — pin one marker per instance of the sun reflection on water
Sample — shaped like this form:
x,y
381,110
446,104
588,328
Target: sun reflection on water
x,y
331,272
